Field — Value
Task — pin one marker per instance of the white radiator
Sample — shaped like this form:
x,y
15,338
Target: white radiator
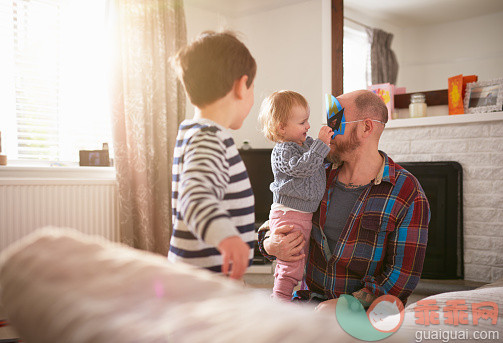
x,y
90,206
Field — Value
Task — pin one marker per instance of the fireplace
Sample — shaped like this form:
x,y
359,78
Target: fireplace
x,y
442,183
443,186
258,167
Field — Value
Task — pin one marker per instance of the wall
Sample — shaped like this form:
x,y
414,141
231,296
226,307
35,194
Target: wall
x,y
199,20
428,56
291,45
478,147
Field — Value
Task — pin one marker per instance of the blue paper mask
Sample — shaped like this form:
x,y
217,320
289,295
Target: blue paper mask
x,y
335,115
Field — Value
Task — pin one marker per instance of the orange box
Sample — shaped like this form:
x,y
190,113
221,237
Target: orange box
x,y
455,95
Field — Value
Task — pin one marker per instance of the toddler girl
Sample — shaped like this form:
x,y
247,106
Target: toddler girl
x,y
299,175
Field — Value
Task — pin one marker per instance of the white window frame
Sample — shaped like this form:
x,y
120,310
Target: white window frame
x,y
354,59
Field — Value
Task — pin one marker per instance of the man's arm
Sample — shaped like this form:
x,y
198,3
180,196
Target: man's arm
x,y
403,263
283,244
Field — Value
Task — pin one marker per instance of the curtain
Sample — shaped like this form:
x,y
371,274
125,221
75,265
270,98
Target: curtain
x,y
384,65
148,104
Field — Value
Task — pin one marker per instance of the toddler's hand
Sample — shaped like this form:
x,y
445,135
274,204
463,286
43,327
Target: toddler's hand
x,y
325,134
237,252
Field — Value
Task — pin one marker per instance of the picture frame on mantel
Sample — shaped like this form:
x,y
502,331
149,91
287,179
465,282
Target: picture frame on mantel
x,y
484,96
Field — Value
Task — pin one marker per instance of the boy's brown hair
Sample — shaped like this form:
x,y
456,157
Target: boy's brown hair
x,y
209,66
275,111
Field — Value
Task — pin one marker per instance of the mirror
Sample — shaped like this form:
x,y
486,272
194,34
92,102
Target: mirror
x,y
436,39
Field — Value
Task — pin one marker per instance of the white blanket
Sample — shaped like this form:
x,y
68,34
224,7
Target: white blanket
x,y
58,285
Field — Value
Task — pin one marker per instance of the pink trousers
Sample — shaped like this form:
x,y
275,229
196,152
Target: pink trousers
x,y
288,274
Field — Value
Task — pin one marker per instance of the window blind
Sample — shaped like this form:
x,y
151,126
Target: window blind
x,y
37,28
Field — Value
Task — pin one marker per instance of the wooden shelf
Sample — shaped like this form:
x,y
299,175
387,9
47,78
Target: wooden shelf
x,y
433,98
445,120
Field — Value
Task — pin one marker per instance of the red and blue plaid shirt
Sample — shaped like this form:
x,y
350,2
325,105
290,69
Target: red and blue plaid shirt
x,y
382,247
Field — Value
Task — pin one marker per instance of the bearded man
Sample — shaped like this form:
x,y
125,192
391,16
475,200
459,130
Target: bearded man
x,y
370,231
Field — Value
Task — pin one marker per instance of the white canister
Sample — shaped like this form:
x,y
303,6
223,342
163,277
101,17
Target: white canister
x,y
417,107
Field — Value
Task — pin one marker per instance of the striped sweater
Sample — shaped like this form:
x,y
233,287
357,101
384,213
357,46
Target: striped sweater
x,y
212,197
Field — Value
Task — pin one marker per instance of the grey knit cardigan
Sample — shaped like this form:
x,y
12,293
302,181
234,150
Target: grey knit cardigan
x,y
299,174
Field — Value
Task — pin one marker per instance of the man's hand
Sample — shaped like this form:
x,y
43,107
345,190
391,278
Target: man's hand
x,y
285,245
325,134
237,252
364,297
327,306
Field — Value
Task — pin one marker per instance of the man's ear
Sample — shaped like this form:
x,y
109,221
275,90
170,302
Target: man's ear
x,y
240,86
368,127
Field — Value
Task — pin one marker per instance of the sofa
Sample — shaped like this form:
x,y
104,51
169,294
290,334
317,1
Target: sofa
x,y
58,285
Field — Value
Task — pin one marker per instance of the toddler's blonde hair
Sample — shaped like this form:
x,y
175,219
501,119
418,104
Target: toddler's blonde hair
x,y
275,111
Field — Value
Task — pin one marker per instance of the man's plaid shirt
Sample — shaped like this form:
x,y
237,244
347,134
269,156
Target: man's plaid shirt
x,y
382,247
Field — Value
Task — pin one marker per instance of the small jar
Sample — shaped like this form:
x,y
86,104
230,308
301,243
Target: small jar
x,y
246,145
417,107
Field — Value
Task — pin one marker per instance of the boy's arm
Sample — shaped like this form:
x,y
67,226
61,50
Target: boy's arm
x,y
234,251
288,160
203,182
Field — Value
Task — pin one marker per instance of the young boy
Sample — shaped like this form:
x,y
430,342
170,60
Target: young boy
x,y
212,201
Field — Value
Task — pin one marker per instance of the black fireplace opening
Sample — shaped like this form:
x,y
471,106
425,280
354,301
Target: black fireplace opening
x,y
442,183
258,167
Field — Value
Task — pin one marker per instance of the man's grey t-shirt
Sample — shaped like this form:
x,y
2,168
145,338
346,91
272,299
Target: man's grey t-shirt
x,y
342,201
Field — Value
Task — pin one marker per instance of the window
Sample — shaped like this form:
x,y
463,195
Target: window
x,y
356,59
53,78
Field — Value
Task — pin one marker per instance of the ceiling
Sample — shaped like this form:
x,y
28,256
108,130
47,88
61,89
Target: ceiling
x,y
238,8
405,13
402,13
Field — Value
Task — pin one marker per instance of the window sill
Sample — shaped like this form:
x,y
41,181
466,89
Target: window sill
x,y
445,120
57,173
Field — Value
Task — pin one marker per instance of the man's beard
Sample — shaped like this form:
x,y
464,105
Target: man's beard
x,y
344,148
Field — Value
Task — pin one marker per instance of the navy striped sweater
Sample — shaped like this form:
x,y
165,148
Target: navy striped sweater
x,y
212,197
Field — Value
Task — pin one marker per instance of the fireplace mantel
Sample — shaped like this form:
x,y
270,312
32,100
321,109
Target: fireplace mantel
x,y
445,120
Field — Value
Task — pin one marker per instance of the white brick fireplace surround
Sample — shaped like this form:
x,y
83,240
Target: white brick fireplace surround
x,y
476,142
